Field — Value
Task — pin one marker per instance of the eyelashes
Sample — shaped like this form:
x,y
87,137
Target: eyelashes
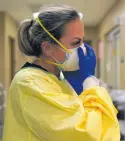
x,y
78,42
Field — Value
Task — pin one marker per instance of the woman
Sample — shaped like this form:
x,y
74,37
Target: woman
x,y
42,105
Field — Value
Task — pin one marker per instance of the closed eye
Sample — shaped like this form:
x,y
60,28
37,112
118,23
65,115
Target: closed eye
x,y
76,43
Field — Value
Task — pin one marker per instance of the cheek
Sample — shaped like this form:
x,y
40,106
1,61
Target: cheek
x,y
60,55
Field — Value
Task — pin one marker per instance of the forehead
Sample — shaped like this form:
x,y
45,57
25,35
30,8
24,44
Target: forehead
x,y
74,29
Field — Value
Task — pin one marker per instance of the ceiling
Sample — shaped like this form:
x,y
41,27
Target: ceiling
x,y
93,10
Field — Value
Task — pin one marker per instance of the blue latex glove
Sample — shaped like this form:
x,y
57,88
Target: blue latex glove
x,y
87,64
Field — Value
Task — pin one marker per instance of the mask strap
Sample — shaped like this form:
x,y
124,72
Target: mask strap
x,y
61,48
37,19
60,65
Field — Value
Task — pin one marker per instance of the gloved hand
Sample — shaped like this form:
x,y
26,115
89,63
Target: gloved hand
x,y
87,64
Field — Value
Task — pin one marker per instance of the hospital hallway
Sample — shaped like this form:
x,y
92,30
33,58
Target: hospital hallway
x,y
104,22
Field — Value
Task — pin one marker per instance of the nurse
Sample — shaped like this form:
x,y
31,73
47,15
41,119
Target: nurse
x,y
45,105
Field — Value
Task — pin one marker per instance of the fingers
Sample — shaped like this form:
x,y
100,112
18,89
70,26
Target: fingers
x,y
82,57
90,56
90,51
81,53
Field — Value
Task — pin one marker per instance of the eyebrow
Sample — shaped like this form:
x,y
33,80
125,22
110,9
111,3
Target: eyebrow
x,y
78,38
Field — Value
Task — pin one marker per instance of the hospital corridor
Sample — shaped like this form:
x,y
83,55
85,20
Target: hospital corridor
x,y
104,28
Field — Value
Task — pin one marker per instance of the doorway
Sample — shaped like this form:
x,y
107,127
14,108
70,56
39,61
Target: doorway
x,y
113,58
12,57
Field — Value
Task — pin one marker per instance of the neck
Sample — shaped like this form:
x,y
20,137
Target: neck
x,y
49,67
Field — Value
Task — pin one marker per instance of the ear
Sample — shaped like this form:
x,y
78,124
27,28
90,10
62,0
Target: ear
x,y
46,48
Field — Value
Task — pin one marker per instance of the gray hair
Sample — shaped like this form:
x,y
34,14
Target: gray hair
x,y
54,18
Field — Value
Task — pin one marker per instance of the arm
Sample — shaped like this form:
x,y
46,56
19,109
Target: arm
x,y
97,98
54,116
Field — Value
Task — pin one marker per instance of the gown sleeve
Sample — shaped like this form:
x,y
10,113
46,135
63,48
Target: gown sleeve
x,y
56,116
